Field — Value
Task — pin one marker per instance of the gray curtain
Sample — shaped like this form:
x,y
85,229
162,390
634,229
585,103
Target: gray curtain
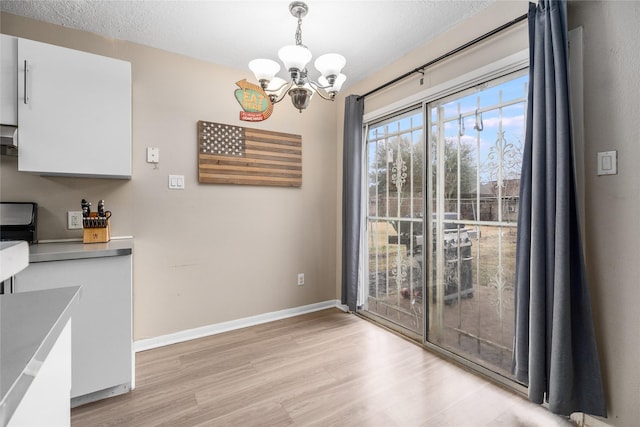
x,y
351,202
555,350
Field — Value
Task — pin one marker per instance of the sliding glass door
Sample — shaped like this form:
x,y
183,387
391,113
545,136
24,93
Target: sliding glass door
x,y
442,193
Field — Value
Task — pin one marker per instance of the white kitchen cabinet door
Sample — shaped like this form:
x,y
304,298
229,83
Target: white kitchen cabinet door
x,y
101,345
8,80
74,112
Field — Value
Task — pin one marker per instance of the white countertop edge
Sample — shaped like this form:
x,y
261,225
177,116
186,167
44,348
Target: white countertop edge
x,y
63,251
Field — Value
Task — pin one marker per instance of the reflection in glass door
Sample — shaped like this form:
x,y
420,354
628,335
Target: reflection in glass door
x,y
395,205
476,140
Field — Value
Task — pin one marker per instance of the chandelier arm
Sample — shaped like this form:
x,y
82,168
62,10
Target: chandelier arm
x,y
317,85
320,90
275,100
275,97
276,91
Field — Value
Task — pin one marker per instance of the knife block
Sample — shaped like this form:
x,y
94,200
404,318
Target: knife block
x,y
100,234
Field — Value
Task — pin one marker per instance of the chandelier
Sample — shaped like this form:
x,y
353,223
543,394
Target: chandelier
x,y
295,59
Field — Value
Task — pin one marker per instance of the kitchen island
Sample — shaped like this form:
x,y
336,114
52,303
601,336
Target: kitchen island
x,y
35,356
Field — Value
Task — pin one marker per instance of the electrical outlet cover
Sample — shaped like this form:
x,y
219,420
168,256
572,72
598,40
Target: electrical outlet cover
x,y
74,220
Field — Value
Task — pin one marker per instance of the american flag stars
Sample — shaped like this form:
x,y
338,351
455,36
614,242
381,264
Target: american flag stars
x,y
223,140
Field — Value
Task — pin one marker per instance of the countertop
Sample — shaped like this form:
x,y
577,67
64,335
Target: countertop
x,y
42,252
30,323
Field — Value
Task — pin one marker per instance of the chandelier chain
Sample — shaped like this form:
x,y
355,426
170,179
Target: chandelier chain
x,y
299,32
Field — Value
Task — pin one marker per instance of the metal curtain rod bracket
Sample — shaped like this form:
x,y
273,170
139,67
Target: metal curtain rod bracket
x,y
422,68
421,71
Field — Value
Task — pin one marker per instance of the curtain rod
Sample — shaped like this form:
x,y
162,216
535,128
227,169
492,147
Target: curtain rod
x,y
446,55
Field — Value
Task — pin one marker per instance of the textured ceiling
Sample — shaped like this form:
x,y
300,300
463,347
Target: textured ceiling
x,y
370,34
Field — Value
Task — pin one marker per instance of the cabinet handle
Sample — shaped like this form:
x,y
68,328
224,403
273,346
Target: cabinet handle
x,y
26,71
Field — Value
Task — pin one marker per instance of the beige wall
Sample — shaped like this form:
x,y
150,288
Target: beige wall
x,y
210,253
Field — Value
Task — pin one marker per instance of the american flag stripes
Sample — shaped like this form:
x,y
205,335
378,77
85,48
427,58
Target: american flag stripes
x,y
229,154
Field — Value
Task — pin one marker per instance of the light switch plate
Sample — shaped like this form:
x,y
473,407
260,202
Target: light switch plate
x,y
176,182
608,162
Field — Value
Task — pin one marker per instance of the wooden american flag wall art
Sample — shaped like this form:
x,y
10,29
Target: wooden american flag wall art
x,y
229,154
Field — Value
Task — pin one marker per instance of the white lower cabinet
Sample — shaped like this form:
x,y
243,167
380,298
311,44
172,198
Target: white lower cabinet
x,y
102,346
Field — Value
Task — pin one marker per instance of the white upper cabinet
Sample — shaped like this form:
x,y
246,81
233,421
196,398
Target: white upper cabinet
x,y
74,112
8,80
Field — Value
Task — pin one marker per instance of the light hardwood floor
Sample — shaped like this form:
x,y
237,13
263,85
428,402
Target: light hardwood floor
x,y
327,368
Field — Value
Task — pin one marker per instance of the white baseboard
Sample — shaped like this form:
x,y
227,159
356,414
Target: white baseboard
x,y
204,331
